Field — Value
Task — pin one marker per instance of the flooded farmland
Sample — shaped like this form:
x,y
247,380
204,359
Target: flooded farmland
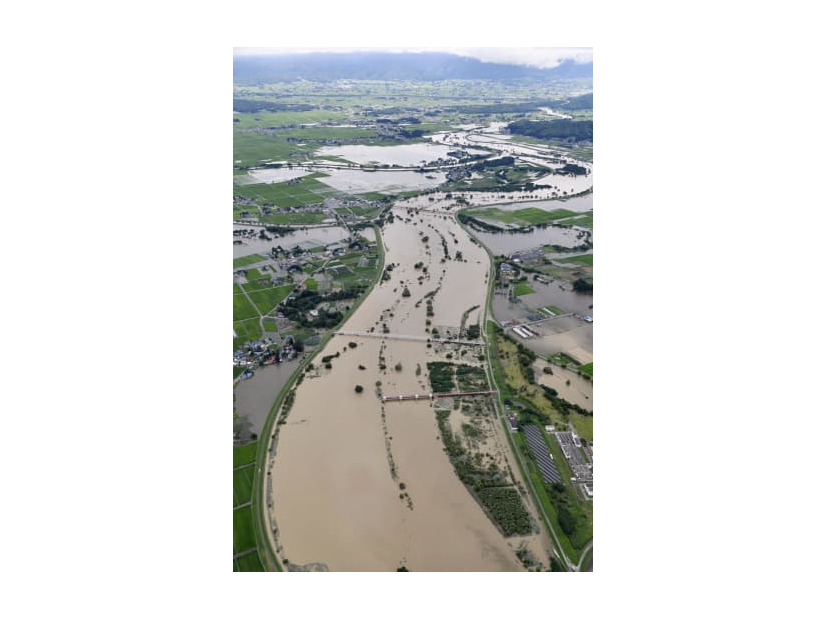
x,y
255,396
338,470
399,155
321,235
363,181
570,386
509,242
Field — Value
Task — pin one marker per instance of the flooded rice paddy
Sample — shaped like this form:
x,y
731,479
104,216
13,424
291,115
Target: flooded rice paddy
x,y
254,397
271,175
509,242
570,386
363,181
399,155
303,237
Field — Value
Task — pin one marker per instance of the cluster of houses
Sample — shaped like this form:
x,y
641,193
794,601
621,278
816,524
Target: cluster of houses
x,y
263,352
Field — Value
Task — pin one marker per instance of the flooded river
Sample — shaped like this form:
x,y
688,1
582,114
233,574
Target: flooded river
x,y
343,457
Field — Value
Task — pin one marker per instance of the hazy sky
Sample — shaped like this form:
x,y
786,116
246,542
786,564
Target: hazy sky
x,y
544,57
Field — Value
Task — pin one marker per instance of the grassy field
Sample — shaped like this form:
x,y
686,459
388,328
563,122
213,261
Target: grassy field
x,y
587,369
242,534
247,260
253,274
307,190
554,310
242,485
530,215
522,288
246,330
518,385
278,119
585,220
312,284
249,563
584,425
304,217
270,325
243,455
251,149
582,259
242,309
267,299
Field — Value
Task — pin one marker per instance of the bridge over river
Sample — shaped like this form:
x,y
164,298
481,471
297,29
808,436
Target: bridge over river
x,y
432,395
477,343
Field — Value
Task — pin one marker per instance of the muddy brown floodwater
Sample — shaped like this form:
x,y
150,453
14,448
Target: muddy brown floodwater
x,y
336,494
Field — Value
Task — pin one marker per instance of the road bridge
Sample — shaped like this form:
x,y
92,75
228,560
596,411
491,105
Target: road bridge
x,y
407,337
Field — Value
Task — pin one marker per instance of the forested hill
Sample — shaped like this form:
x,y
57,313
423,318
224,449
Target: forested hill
x,y
424,66
562,129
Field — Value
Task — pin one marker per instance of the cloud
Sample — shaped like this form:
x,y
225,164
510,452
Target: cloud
x,y
542,57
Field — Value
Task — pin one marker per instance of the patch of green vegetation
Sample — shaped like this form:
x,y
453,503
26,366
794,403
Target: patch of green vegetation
x,y
267,299
242,455
242,308
583,425
471,378
440,375
527,216
247,260
249,563
507,509
306,190
270,325
582,259
295,218
587,369
242,485
247,330
253,274
242,533
252,149
563,359
522,288
552,310
585,220
311,284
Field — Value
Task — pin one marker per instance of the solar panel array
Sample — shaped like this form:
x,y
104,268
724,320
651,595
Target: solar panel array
x,y
542,454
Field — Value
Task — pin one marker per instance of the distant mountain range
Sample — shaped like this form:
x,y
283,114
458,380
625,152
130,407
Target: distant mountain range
x,y
425,66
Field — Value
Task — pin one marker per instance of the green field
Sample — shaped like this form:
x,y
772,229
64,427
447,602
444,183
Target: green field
x,y
242,455
276,119
267,299
582,259
242,534
247,330
522,288
552,310
249,563
306,190
530,215
247,260
270,325
251,149
585,220
312,284
303,217
242,485
587,369
242,308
